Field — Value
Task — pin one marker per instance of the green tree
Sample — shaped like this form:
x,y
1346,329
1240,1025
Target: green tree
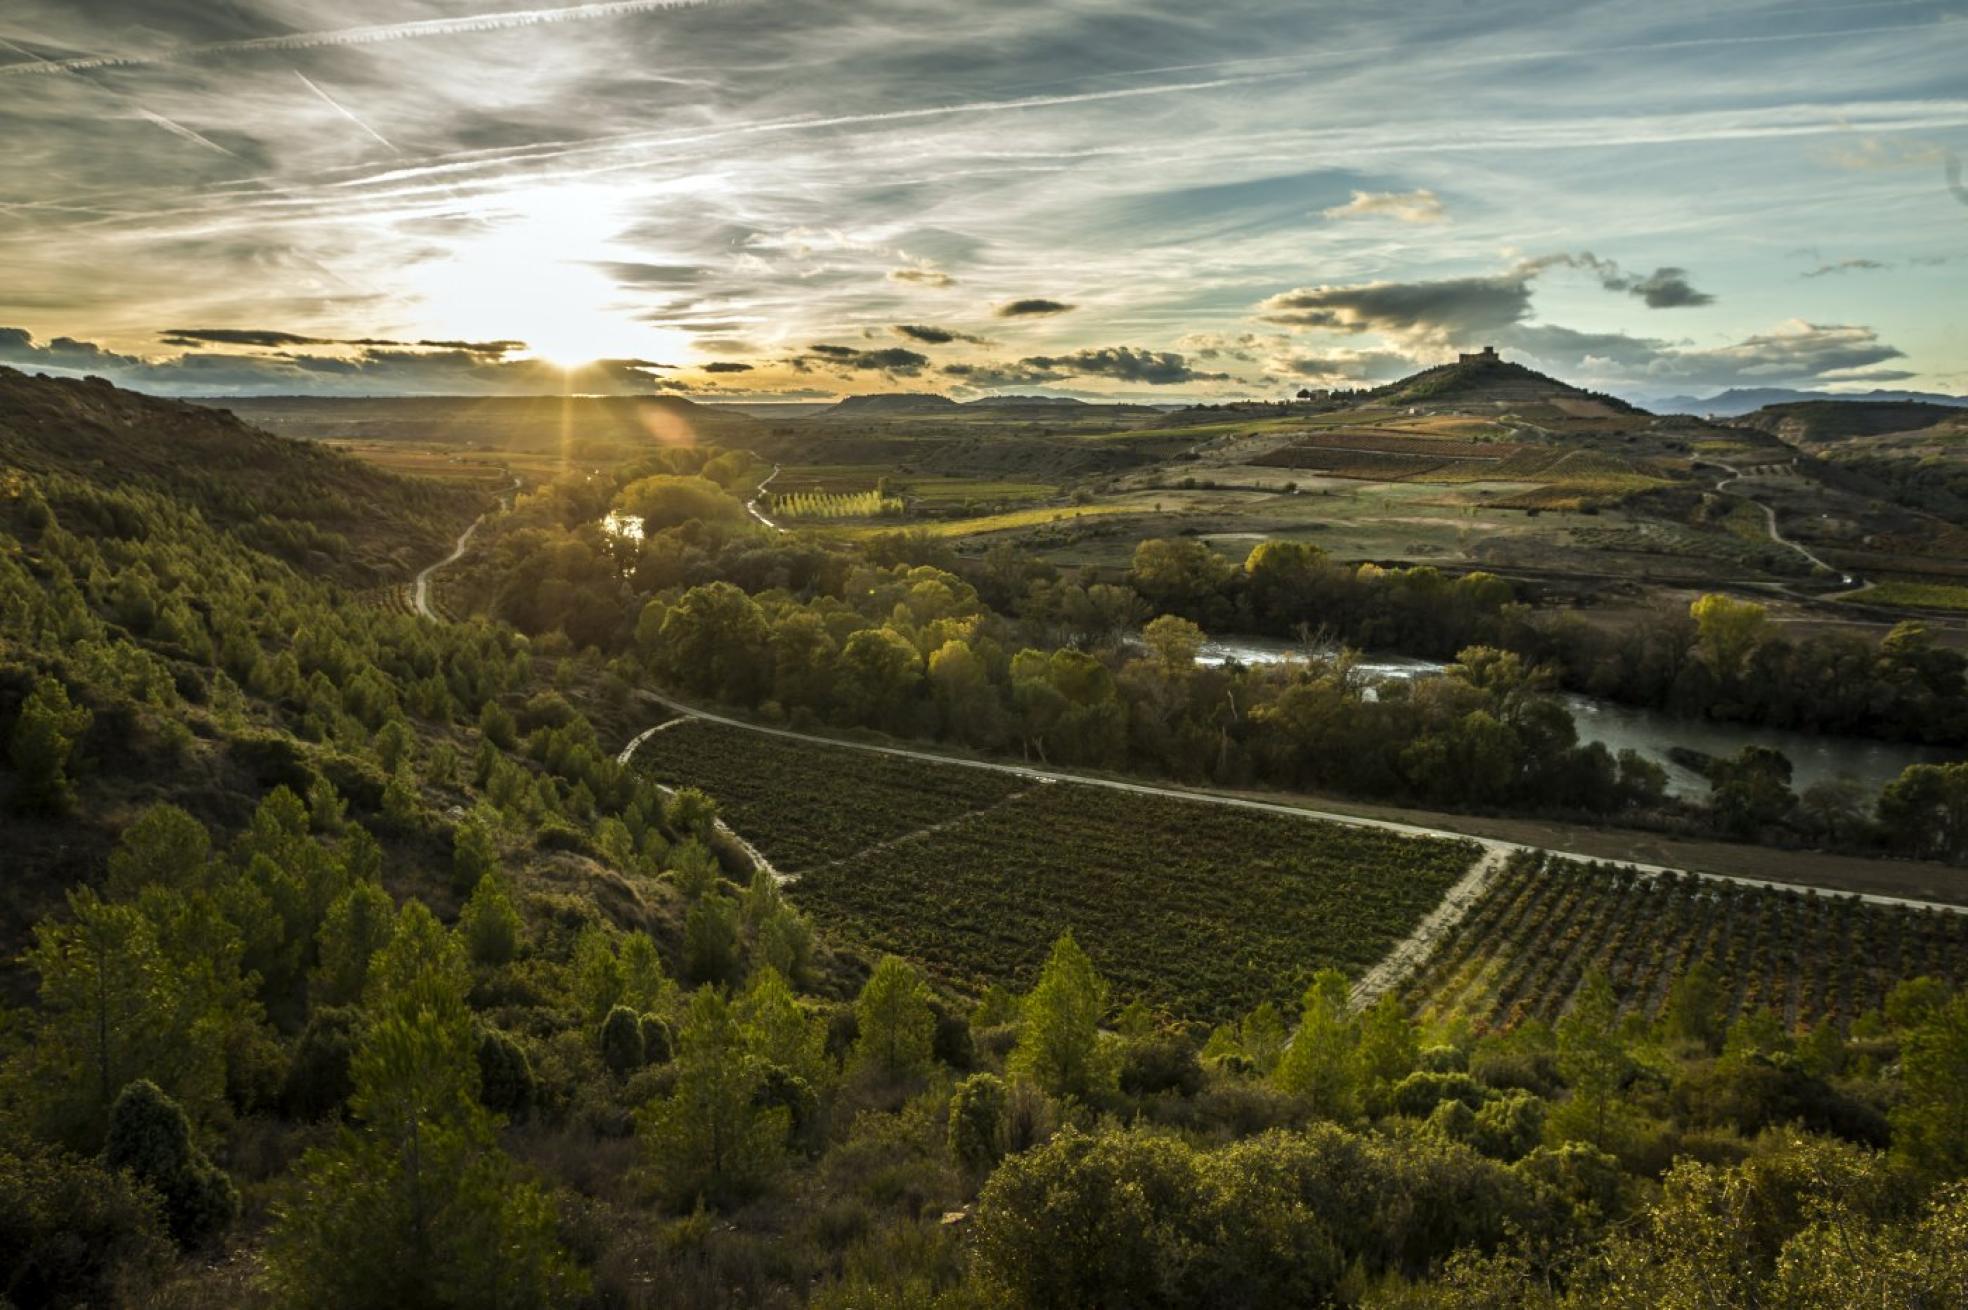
x,y
691,814
358,925
710,940
709,1140
1728,632
473,853
43,741
114,1008
1059,1043
897,1027
1930,1125
165,847
1321,1065
489,924
418,1206
1593,1060
1694,1007
1388,1045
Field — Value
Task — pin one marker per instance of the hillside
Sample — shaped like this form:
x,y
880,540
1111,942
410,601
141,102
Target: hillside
x,y
889,403
497,422
1738,401
1818,421
311,506
1491,382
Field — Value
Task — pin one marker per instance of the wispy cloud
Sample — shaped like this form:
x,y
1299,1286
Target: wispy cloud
x,y
1418,206
366,35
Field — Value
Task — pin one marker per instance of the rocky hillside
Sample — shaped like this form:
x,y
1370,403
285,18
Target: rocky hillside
x,y
1815,422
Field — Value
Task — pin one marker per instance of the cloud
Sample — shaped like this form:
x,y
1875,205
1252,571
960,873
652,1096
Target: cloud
x,y
1794,352
1031,307
725,366
350,36
429,369
893,360
1418,206
925,277
1664,288
1845,266
1155,368
274,339
1440,311
936,336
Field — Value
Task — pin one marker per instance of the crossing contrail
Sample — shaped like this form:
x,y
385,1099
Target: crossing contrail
x,y
345,112
369,35
180,130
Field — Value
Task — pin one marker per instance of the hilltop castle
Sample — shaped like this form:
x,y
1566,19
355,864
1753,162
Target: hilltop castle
x,y
1487,355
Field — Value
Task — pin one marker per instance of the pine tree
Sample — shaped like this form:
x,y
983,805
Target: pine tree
x,y
1321,1065
708,1140
1059,1046
897,1027
43,741
418,1206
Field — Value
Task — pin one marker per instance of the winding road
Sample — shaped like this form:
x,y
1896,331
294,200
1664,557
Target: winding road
x,y
752,505
1770,517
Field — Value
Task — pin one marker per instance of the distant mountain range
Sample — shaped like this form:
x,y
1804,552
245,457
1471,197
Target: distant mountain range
x,y
1746,400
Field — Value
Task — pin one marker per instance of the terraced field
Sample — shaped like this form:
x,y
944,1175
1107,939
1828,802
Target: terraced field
x,y
1521,951
1203,911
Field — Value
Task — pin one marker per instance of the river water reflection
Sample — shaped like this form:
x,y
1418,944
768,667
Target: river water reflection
x,y
1814,758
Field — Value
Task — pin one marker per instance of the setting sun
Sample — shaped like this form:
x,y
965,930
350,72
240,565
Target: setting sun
x,y
528,269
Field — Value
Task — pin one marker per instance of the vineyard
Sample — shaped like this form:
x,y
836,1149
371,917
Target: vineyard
x,y
835,505
1522,950
804,804
1202,910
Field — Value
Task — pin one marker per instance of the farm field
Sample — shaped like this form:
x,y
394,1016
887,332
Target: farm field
x,y
1543,923
805,805
1201,911
1926,595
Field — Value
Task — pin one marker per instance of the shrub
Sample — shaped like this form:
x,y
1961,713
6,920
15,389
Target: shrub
x,y
318,1081
1161,1062
658,1040
1419,1093
621,1041
977,1122
505,1075
150,1136
73,1233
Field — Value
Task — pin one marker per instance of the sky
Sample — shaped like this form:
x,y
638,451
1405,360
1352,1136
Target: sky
x,y
1149,200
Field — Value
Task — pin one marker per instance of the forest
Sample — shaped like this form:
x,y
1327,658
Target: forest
x,y
347,966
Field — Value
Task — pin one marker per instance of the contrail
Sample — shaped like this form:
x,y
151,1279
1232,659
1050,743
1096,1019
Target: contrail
x,y
345,112
370,35
180,130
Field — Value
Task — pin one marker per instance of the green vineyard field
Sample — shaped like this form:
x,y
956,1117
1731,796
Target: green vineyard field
x,y
1201,910
1521,951
805,804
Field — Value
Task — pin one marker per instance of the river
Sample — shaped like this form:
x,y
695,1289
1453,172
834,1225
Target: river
x,y
1814,757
